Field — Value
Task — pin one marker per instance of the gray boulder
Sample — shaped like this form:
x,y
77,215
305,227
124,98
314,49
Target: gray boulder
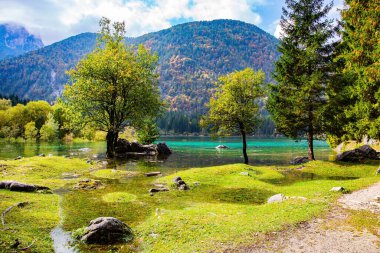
x,y
358,154
107,230
122,146
276,198
299,160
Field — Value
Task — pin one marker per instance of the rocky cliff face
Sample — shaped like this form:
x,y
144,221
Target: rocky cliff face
x,y
16,40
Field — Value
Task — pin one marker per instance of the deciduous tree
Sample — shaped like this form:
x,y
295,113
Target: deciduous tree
x,y
115,85
234,107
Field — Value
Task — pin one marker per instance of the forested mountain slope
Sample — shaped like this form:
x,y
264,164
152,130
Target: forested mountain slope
x,y
192,57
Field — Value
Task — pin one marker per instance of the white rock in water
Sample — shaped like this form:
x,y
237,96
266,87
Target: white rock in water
x,y
221,147
244,173
276,198
337,189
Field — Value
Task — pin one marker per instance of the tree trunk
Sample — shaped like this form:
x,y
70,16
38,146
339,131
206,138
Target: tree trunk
x,y
242,131
111,143
310,139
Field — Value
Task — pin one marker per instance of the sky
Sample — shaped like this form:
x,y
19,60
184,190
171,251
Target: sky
x,y
54,20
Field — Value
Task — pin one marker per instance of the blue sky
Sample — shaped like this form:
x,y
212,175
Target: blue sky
x,y
54,20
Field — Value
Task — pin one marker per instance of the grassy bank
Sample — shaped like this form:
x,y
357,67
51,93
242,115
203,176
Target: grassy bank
x,y
224,207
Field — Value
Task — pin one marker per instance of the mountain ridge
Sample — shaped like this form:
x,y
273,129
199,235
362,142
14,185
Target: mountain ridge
x,y
16,40
192,56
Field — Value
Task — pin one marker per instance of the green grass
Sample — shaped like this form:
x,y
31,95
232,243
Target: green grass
x,y
209,221
119,197
223,207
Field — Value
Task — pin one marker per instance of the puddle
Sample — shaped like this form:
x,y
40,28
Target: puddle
x,y
62,241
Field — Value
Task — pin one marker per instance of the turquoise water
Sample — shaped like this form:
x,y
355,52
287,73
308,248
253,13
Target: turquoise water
x,y
187,151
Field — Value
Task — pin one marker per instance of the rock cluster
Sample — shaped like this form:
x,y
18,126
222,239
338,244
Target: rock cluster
x,y
21,187
358,154
88,184
107,230
181,185
124,147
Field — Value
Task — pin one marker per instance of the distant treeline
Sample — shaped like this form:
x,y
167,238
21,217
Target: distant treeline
x,y
179,122
14,99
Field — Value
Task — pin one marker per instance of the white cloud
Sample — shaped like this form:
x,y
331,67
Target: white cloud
x,y
56,19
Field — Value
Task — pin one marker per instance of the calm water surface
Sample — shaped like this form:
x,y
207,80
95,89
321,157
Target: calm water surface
x,y
188,151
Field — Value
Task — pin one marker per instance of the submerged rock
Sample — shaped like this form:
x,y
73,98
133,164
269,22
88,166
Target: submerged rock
x,y
107,230
299,160
358,154
163,149
152,174
276,198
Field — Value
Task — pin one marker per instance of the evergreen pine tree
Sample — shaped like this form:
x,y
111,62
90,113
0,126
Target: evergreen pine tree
x,y
361,34
297,100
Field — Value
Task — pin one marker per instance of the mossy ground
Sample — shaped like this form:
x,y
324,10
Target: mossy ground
x,y
35,221
224,207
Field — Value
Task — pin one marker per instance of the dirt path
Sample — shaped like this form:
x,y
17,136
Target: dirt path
x,y
330,234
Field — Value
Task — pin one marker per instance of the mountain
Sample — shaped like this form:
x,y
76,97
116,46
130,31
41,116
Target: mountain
x,y
192,57
16,40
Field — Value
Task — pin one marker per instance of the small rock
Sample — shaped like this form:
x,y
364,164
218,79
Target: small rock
x,y
41,155
183,187
221,147
244,173
176,179
337,189
18,157
152,174
276,198
50,155
154,190
378,171
107,230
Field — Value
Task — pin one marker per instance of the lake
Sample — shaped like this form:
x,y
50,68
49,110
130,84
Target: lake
x,y
187,151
